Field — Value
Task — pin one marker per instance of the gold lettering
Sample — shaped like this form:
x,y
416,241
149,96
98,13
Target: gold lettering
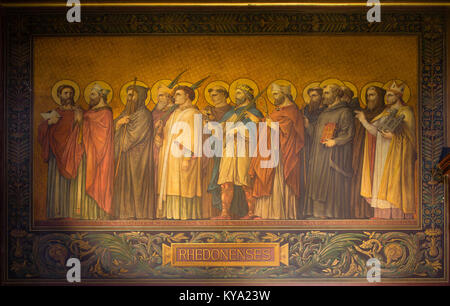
x,y
190,254
257,254
215,251
232,254
266,254
209,254
182,253
249,253
223,254
241,256
198,254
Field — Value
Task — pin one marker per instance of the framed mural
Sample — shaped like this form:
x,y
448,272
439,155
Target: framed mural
x,y
224,145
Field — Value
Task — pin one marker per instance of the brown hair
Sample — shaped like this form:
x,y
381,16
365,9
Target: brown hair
x,y
336,90
347,92
223,91
189,91
318,89
63,86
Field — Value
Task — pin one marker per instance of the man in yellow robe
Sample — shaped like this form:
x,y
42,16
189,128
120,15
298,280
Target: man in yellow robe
x,y
388,178
179,171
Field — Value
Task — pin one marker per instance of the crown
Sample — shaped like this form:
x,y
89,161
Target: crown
x,y
245,87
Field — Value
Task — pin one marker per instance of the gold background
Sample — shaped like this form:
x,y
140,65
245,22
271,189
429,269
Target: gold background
x,y
299,59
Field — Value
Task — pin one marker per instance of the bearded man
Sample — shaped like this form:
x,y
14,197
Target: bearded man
x,y
349,98
315,106
233,178
310,114
61,145
277,189
134,189
330,164
389,185
359,207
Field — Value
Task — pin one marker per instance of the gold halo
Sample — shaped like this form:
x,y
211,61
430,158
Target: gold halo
x,y
75,86
364,90
123,91
406,92
154,90
282,83
331,81
306,97
352,87
211,85
103,84
189,85
235,83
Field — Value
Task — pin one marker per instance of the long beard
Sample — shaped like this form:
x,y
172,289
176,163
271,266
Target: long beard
x,y
314,105
68,101
371,104
131,106
279,101
93,103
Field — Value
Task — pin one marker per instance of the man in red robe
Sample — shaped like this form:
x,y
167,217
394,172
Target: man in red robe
x,y
59,137
98,142
277,188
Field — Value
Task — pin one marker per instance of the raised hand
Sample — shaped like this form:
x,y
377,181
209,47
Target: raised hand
x,y
360,116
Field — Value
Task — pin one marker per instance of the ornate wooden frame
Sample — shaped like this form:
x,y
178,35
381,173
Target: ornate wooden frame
x,y
325,256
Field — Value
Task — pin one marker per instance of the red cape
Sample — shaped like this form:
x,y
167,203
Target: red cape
x,y
98,143
62,139
292,140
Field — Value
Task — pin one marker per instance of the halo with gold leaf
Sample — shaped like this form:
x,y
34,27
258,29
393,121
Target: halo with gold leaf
x,y
211,85
123,91
188,85
248,82
76,94
282,83
331,81
155,87
406,91
363,102
103,84
348,84
352,88
306,97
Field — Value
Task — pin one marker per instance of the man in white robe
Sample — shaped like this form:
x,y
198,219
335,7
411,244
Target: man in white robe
x,y
179,171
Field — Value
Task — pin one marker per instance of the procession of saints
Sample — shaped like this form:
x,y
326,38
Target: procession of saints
x,y
252,153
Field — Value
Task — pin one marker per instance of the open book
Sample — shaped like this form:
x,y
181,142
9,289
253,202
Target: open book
x,y
50,115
